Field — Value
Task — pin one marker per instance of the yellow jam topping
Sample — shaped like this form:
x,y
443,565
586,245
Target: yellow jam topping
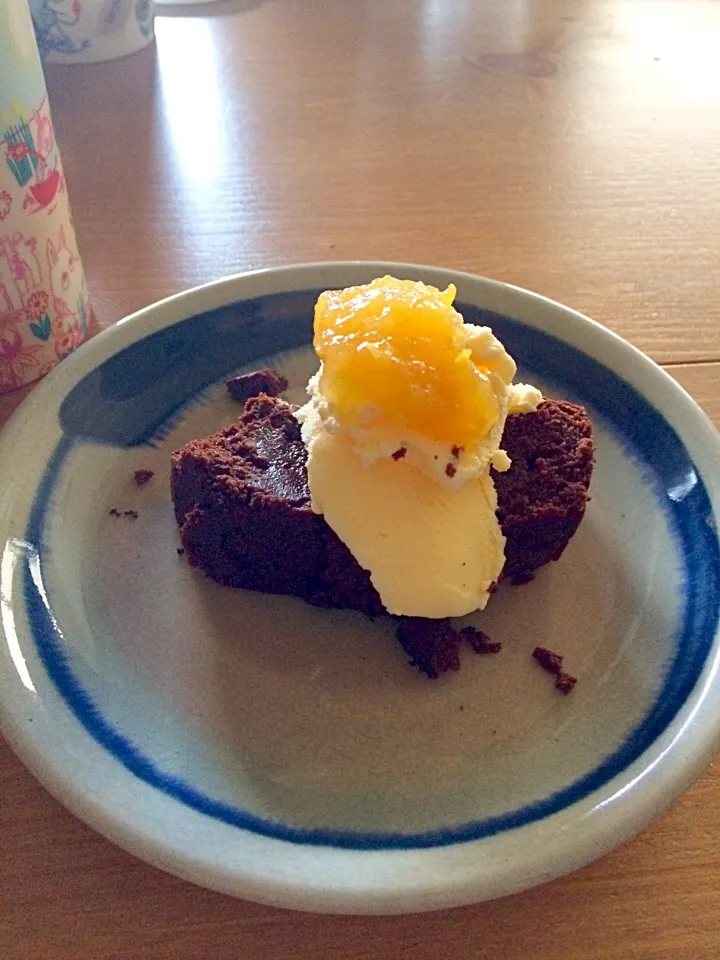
x,y
397,351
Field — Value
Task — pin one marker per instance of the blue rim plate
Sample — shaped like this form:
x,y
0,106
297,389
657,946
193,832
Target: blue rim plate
x,y
288,755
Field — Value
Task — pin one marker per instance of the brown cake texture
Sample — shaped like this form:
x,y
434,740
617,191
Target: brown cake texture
x,y
247,385
542,497
242,503
432,645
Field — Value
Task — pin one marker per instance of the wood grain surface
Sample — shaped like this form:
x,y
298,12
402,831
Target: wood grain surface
x,y
568,146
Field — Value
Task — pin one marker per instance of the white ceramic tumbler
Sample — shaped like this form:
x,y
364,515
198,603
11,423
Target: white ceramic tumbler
x,y
87,31
43,298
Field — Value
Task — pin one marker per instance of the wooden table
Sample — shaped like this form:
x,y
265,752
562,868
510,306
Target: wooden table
x,y
569,146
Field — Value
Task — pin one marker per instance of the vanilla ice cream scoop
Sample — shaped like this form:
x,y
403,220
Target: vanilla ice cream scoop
x,y
404,421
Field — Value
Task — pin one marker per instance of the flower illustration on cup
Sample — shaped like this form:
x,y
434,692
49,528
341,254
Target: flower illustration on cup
x,y
64,345
37,307
19,361
37,304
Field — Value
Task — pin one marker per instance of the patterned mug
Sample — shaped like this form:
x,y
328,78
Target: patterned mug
x,y
43,297
87,31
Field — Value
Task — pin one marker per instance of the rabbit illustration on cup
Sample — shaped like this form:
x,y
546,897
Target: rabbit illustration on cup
x,y
67,291
19,270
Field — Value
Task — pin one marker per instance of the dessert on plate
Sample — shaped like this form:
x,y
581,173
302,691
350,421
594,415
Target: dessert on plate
x,y
416,477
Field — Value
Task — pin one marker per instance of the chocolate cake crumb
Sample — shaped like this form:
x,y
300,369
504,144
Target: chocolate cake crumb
x,y
266,381
142,477
479,641
456,451
520,579
399,453
564,682
450,470
180,551
114,512
552,662
430,644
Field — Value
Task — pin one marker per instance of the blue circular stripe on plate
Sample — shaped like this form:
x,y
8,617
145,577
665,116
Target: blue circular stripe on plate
x,y
645,432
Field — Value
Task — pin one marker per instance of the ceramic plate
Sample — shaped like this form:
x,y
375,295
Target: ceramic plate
x,y
288,754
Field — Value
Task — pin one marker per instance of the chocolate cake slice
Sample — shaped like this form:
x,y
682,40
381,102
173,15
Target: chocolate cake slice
x,y
242,503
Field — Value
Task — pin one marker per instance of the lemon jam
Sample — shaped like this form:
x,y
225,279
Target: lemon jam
x,y
397,353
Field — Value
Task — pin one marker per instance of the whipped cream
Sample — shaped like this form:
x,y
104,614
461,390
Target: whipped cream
x,y
418,514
